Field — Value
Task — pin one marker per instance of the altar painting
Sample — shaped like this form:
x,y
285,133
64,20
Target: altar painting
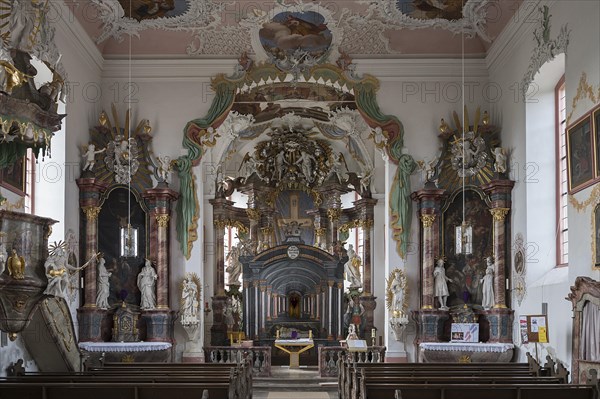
x,y
432,9
154,9
289,32
292,206
466,271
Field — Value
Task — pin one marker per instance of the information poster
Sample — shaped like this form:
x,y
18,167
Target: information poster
x,y
534,328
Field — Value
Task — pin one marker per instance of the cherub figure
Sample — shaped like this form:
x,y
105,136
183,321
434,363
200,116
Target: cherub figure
x,y
164,168
89,156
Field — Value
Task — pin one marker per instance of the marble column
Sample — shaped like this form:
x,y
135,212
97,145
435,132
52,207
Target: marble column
x,y
92,321
247,308
330,316
334,216
269,296
499,215
158,201
340,287
254,217
429,210
428,256
365,210
499,192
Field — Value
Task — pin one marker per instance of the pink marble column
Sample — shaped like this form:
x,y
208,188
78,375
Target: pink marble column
x,y
90,193
429,203
499,216
159,202
499,192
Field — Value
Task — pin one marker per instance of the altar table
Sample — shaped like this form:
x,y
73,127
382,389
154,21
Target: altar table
x,y
465,352
294,347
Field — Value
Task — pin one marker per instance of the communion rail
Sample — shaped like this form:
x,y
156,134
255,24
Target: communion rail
x,y
331,358
259,356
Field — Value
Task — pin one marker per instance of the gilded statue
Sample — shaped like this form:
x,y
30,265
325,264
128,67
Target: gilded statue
x,y
16,266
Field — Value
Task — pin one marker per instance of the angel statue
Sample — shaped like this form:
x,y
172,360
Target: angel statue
x,y
164,168
89,156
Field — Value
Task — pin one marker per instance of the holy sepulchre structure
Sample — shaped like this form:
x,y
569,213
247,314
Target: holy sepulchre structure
x,y
299,183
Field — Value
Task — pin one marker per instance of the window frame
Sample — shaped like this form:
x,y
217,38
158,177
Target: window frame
x,y
561,198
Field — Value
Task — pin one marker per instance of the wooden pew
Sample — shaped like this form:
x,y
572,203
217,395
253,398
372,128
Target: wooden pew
x,y
165,380
480,391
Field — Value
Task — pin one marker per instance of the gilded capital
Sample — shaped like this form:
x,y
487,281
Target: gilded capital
x,y
499,214
163,220
253,214
91,212
334,213
427,220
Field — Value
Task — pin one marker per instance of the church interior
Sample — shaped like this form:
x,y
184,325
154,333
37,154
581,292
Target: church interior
x,y
299,185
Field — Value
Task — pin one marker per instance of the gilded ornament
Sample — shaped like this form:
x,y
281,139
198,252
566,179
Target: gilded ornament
x,y
91,212
464,359
499,214
427,220
594,198
334,214
162,220
16,266
584,90
253,214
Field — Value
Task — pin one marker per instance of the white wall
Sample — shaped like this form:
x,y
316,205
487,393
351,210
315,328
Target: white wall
x,y
527,130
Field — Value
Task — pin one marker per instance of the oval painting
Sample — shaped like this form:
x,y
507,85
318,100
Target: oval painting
x,y
451,10
153,9
289,32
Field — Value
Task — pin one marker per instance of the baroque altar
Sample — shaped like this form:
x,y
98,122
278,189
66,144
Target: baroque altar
x,y
464,208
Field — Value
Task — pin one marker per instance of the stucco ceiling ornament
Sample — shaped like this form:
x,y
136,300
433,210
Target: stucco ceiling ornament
x,y
546,49
200,14
472,22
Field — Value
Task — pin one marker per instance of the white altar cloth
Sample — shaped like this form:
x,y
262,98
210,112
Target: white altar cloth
x,y
466,346
299,341
124,346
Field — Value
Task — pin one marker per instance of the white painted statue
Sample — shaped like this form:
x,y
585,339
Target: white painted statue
x,y
397,288
352,336
500,157
234,266
146,282
440,285
352,268
58,272
306,161
488,285
189,302
164,168
103,286
3,257
89,157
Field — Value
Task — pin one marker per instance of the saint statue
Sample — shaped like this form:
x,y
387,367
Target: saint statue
x,y
397,288
189,302
234,266
58,271
103,285
355,314
500,160
146,281
488,285
440,285
352,268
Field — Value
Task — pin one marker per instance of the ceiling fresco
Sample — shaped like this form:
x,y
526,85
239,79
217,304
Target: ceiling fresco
x,y
228,28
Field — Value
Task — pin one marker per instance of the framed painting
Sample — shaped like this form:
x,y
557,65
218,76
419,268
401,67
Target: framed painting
x,y
596,124
580,154
13,176
596,237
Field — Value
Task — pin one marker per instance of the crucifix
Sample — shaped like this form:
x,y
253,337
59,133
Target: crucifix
x,y
294,214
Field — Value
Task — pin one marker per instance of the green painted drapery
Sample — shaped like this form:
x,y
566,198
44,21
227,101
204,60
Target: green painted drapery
x,y
365,95
401,203
187,206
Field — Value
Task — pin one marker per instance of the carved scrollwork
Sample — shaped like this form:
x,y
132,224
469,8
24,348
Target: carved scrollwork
x,y
427,220
499,214
91,212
